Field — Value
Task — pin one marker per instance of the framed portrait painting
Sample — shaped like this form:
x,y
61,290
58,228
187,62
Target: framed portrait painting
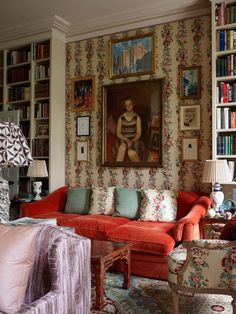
x,y
132,124
190,82
132,56
83,93
189,117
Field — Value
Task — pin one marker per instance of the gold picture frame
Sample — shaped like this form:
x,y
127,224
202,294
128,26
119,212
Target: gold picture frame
x,y
132,56
147,100
83,94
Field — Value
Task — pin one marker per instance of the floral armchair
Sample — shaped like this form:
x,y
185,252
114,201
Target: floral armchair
x,y
190,269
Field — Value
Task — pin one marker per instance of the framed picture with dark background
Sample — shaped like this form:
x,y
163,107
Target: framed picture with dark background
x,y
132,124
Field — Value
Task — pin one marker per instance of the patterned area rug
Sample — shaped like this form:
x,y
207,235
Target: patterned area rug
x,y
150,296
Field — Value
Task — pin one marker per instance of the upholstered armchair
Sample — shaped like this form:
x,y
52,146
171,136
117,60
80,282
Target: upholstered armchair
x,y
203,266
60,280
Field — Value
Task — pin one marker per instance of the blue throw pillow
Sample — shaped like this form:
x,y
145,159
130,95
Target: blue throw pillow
x,y
78,201
128,202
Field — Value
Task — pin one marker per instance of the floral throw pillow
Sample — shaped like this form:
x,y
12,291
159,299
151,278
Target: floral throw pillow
x,y
158,205
102,200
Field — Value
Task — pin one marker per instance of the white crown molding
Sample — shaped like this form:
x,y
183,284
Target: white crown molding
x,y
35,30
151,15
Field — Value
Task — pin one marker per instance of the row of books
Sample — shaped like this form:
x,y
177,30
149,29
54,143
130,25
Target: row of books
x,y
19,93
225,118
225,40
226,145
40,147
18,75
226,66
18,56
25,112
226,92
225,14
25,127
41,90
42,71
41,110
42,50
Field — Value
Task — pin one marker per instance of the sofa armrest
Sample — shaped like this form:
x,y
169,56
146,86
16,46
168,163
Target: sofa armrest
x,y
54,202
187,228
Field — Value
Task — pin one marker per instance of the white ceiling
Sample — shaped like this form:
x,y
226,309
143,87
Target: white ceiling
x,y
87,18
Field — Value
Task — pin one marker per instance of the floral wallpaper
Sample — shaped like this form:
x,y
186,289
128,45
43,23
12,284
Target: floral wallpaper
x,y
181,43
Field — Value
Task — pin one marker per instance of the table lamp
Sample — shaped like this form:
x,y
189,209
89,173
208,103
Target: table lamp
x,y
216,172
14,152
37,170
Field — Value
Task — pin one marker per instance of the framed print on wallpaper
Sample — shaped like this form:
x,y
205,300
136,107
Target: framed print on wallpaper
x,y
190,82
132,124
189,117
83,94
190,149
83,125
82,151
132,56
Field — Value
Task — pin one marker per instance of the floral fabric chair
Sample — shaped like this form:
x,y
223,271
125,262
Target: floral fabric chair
x,y
203,266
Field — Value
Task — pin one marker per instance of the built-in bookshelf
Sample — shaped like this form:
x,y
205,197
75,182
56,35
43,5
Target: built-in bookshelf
x,y
32,80
224,79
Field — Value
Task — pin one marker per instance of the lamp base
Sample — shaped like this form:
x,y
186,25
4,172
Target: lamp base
x,y
37,190
217,198
4,200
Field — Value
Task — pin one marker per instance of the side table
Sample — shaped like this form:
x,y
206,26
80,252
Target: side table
x,y
15,207
211,227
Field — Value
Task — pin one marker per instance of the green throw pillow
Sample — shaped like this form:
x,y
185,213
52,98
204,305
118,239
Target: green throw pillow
x,y
128,202
78,201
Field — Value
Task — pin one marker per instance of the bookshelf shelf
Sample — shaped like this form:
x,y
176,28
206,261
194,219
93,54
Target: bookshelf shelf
x,y
18,65
26,85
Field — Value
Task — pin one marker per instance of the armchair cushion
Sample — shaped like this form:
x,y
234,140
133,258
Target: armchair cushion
x,y
17,256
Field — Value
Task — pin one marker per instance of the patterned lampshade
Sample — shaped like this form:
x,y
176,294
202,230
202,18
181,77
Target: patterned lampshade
x,y
14,149
216,171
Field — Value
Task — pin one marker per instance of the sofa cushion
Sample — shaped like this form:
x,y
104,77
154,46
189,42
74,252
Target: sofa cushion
x,y
102,200
94,226
17,253
78,201
158,205
128,202
146,236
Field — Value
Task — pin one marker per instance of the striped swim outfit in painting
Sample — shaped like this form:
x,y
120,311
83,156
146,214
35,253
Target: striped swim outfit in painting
x,y
129,128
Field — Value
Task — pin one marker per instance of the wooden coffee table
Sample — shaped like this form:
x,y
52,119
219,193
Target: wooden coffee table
x,y
103,256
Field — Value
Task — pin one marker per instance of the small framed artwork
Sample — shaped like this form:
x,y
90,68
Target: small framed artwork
x,y
83,93
190,149
190,82
132,56
42,130
154,138
82,151
83,125
189,117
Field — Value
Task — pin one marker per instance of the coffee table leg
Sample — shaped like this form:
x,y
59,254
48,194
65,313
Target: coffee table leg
x,y
126,260
99,278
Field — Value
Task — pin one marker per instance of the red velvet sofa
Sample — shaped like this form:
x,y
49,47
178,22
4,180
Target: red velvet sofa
x,y
152,241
